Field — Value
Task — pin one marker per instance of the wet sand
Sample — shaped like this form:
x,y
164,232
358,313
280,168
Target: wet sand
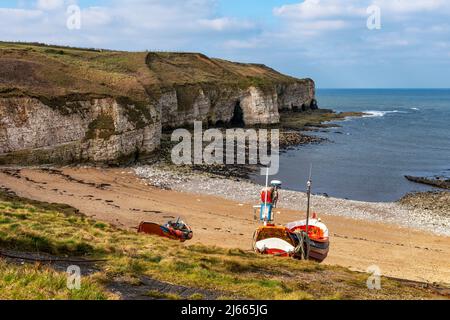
x,y
123,199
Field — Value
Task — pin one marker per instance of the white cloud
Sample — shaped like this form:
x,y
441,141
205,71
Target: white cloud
x,y
245,44
15,23
411,6
50,4
19,14
95,17
225,23
134,24
312,17
317,9
321,25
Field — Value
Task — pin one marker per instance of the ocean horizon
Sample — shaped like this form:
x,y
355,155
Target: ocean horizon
x,y
405,132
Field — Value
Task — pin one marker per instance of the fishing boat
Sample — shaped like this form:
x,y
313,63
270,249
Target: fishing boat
x,y
274,240
304,239
178,230
319,241
287,241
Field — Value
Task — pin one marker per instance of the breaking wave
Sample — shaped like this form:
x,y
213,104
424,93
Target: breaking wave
x,y
378,114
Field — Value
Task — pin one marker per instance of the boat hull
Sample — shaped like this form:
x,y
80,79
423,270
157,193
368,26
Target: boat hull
x,y
319,250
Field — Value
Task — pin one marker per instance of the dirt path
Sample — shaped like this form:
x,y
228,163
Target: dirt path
x,y
119,197
145,289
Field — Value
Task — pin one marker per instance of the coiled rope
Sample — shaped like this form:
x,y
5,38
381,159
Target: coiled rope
x,y
303,248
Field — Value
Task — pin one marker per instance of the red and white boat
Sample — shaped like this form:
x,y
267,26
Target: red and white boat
x,y
319,239
304,239
274,240
285,241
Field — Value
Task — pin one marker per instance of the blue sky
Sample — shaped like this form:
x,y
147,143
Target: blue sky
x,y
327,40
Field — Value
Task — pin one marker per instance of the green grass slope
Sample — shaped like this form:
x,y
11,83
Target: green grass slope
x,y
29,226
51,73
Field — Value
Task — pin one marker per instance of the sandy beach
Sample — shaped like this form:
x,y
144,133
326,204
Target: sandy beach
x,y
220,212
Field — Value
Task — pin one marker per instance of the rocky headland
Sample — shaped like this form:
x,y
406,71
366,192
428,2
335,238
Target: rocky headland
x,y
69,105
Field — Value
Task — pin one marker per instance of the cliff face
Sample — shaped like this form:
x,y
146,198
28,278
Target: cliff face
x,y
99,130
70,105
196,87
220,104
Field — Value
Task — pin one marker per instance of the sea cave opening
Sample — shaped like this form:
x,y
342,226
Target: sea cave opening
x,y
238,116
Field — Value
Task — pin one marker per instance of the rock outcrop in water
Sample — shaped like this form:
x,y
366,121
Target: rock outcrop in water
x,y
71,105
438,182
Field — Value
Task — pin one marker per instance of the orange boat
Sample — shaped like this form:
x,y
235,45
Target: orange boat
x,y
305,239
287,241
274,240
319,240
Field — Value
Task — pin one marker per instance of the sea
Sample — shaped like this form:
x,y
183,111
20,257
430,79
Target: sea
x,y
405,132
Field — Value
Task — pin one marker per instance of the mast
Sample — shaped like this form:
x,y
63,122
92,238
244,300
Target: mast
x,y
308,211
267,197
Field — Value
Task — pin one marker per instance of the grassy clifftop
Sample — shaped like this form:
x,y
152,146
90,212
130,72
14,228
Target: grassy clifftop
x,y
27,227
187,68
50,71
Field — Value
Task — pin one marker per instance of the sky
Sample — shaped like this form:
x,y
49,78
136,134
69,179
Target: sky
x,y
406,45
